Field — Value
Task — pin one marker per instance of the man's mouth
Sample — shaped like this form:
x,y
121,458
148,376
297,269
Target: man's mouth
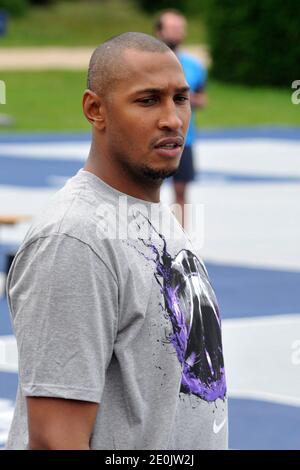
x,y
169,150
169,146
170,142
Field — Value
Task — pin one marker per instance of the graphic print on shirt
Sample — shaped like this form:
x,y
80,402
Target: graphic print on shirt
x,y
192,309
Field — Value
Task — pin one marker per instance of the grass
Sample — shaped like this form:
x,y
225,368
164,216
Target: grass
x,y
44,100
84,23
51,101
236,105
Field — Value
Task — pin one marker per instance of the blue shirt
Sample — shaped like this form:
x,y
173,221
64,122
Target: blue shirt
x,y
195,75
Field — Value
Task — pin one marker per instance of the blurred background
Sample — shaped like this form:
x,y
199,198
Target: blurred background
x,y
247,158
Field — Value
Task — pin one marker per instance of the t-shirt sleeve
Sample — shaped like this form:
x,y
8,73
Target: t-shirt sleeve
x,y
64,305
201,73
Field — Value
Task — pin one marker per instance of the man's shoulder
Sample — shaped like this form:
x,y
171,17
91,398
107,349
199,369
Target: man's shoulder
x,y
71,211
65,231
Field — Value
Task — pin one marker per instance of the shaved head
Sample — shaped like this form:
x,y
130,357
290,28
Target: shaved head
x,y
137,96
107,65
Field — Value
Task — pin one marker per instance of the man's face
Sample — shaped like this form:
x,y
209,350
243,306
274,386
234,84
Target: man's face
x,y
173,31
151,104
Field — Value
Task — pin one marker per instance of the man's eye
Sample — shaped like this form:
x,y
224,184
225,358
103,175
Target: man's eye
x,y
182,98
148,101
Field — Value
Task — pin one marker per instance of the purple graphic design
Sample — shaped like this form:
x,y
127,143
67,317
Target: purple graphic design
x,y
192,308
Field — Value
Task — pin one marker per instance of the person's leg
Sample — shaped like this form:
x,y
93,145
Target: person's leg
x,y
180,200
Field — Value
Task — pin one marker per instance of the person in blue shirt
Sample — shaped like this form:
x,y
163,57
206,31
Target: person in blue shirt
x,y
170,27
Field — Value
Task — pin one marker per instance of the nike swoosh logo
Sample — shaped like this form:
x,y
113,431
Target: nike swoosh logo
x,y
217,427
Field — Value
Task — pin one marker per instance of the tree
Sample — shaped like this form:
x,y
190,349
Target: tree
x,y
254,41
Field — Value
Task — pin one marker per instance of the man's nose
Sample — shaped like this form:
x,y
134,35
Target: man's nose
x,y
169,117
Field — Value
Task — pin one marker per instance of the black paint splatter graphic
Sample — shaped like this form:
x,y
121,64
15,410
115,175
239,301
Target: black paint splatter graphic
x,y
192,309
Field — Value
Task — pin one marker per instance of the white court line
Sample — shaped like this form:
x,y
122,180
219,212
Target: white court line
x,y
261,358
2,284
263,157
265,396
22,201
61,151
8,354
57,181
250,224
6,416
247,322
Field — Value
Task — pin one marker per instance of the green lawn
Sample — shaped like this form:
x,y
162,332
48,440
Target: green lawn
x,y
44,100
236,105
84,22
41,101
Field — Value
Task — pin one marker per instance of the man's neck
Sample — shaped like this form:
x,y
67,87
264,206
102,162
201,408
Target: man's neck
x,y
123,182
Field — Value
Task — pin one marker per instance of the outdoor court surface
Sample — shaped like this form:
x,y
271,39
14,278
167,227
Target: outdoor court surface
x,y
249,184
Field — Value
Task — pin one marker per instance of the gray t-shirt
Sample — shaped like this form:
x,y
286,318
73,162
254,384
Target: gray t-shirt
x,y
110,304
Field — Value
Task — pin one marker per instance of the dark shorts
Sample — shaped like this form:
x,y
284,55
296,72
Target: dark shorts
x,y
186,171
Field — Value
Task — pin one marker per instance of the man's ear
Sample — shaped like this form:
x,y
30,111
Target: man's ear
x,y
93,109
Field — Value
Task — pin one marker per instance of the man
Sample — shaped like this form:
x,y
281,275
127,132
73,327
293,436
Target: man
x,y
170,27
119,336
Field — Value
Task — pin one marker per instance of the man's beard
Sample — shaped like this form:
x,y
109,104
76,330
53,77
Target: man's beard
x,y
144,172
154,175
